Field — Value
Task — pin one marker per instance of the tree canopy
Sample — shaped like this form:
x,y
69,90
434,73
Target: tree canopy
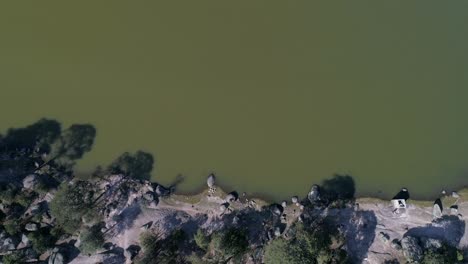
x,y
71,203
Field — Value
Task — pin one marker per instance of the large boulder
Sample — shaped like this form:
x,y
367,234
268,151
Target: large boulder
x,y
56,257
210,181
30,181
232,197
412,251
314,194
31,227
162,191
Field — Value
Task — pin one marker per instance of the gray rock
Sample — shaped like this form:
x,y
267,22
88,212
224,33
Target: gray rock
x,y
455,195
25,240
276,209
384,237
149,196
210,181
395,244
56,257
162,191
314,194
284,204
30,181
294,199
31,227
454,209
7,244
231,197
411,249
223,207
277,231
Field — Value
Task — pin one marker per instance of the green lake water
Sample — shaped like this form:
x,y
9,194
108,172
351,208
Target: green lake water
x,y
272,96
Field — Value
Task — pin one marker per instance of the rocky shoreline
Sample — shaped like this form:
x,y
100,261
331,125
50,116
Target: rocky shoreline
x,y
374,232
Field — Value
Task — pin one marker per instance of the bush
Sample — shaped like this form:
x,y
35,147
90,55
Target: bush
x,y
201,240
42,240
92,239
71,203
12,227
445,254
13,258
162,251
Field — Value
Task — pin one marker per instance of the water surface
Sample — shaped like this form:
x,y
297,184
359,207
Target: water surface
x,y
273,96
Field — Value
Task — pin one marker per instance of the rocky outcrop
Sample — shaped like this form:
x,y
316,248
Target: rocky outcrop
x,y
30,181
210,181
314,194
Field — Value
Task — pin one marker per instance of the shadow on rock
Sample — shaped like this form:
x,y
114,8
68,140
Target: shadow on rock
x,y
447,228
359,232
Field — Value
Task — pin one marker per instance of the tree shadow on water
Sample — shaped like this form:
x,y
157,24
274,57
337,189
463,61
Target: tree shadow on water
x,y
340,187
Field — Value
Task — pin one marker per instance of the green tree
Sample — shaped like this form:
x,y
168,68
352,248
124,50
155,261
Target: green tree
x,y
445,254
15,257
138,165
12,227
227,244
71,203
92,239
282,251
158,250
42,240
201,240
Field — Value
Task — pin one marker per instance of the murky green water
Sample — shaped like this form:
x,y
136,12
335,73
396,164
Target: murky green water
x,y
272,96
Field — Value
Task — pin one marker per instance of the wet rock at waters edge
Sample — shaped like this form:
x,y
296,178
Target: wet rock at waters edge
x,y
294,199
232,197
149,196
437,209
284,204
31,227
384,237
162,191
276,209
30,181
314,194
412,251
210,181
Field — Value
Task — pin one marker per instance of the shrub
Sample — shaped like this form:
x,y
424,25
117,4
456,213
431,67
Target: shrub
x,y
92,239
12,227
13,258
42,240
201,240
71,203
